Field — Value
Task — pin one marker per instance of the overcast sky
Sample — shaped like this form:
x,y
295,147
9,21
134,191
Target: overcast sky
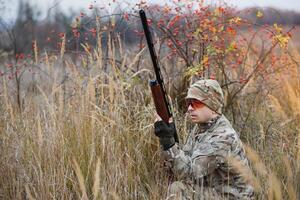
x,y
66,5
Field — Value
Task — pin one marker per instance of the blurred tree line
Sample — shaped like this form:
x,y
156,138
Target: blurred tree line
x,y
271,16
17,37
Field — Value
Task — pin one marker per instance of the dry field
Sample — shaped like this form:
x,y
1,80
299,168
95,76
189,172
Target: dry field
x,y
89,135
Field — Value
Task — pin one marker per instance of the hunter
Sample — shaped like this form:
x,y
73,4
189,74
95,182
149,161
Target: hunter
x,y
201,165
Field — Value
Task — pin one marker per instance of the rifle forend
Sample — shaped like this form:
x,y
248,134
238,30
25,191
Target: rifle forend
x,y
158,97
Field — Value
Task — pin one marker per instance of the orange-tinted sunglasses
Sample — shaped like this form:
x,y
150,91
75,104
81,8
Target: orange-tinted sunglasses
x,y
194,103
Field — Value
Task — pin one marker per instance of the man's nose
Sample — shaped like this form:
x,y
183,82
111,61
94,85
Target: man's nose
x,y
190,108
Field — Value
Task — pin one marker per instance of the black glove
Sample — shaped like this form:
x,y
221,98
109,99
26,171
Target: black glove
x,y
166,133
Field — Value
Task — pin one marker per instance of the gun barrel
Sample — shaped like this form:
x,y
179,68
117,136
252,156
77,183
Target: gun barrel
x,y
154,57
151,46
162,105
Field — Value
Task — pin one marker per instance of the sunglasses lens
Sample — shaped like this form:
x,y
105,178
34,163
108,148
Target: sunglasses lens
x,y
194,103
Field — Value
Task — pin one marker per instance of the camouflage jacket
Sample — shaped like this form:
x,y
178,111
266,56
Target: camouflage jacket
x,y
203,159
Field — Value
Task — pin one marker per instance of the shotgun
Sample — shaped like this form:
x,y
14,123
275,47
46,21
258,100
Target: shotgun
x,y
157,86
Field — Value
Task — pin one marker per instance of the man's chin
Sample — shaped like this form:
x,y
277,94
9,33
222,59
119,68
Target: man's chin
x,y
196,120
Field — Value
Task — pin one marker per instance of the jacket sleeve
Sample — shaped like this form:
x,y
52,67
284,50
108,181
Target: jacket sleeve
x,y
206,156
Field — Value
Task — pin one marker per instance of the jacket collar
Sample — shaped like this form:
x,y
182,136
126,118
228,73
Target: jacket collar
x,y
207,125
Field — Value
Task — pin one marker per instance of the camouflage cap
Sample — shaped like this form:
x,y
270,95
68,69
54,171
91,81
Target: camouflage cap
x,y
209,92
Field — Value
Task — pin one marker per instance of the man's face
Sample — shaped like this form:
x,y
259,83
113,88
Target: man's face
x,y
199,112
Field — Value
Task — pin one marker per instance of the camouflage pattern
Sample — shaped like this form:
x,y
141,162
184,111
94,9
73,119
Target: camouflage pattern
x,y
209,92
179,190
201,165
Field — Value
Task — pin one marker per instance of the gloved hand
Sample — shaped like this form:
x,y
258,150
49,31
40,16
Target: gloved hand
x,y
165,133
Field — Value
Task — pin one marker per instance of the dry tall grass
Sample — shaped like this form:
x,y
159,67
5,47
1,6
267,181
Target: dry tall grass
x,y
87,138
275,134
91,137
